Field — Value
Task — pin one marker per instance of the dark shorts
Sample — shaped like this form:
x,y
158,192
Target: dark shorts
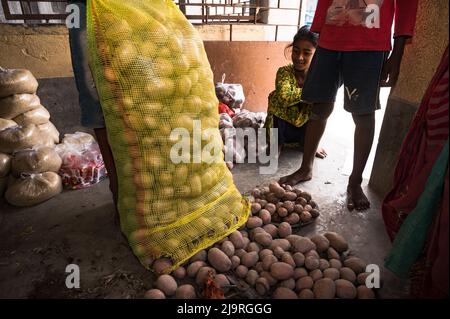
x,y
91,110
288,133
358,71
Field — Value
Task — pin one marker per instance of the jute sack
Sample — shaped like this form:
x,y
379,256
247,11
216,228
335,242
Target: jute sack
x,y
33,189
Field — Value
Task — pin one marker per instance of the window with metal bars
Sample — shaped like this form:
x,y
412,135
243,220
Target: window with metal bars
x,y
274,14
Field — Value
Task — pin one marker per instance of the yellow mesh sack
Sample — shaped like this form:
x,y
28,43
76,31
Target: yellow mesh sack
x,y
153,76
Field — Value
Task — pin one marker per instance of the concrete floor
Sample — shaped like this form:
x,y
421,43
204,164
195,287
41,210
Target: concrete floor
x,y
37,243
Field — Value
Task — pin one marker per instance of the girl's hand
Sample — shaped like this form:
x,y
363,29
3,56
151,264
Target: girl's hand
x,y
391,67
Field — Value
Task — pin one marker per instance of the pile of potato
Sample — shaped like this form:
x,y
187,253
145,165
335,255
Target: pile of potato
x,y
281,205
271,260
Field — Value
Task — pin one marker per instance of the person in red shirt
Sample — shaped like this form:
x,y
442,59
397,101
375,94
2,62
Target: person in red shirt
x,y
355,38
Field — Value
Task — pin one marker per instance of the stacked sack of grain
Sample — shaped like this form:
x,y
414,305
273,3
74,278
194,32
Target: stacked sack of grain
x,y
28,161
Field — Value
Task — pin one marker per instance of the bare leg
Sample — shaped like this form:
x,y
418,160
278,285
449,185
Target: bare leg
x,y
364,134
314,132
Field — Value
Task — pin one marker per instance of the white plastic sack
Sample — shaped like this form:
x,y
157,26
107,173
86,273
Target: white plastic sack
x,y
50,130
5,164
37,160
16,81
4,124
230,94
33,189
17,104
37,116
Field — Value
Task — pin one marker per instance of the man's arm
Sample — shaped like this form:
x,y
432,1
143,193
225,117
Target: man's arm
x,y
405,20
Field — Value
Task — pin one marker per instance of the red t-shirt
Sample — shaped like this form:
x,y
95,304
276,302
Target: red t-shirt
x,y
352,25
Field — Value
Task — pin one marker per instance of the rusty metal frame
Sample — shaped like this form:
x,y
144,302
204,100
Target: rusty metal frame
x,y
30,16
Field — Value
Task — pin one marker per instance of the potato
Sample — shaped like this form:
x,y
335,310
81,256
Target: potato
x,y
254,247
186,292
284,230
324,289
306,196
361,278
219,260
250,259
193,268
264,239
241,271
278,252
282,243
323,264
200,256
365,293
301,201
311,263
288,283
284,293
256,192
345,289
237,240
335,263
299,259
300,273
289,206
303,245
292,219
162,265
281,271
307,208
251,277
276,218
312,253
275,188
262,286
265,216
244,233
331,273
222,282
166,284
254,222
235,261
305,282
271,229
337,242
322,243
272,198
287,258
271,208
316,274
255,208
305,216
288,188
259,267
255,231
265,252
228,248
154,294
298,208
268,261
290,196
292,239
356,264
203,275
179,273
314,213
263,203
282,212
240,252
333,254
272,281
347,274
306,294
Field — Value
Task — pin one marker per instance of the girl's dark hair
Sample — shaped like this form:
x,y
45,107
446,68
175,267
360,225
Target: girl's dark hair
x,y
304,33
